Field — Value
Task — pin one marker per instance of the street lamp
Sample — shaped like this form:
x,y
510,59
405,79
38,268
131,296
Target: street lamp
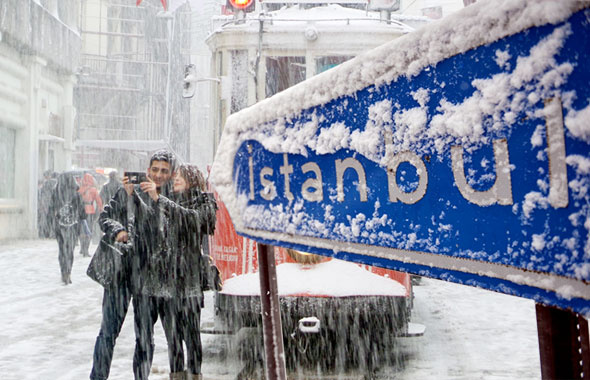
x,y
190,78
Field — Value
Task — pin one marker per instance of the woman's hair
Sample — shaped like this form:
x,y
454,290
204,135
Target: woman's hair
x,y
193,176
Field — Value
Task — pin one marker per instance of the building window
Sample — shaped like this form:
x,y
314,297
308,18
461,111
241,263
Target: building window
x,y
7,142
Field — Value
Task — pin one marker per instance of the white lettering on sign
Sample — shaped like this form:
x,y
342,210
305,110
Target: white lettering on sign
x,y
225,248
499,193
225,253
318,194
269,190
227,257
558,191
251,171
350,163
395,193
287,169
501,190
230,249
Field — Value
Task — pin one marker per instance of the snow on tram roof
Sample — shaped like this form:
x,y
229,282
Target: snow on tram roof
x,y
334,278
331,14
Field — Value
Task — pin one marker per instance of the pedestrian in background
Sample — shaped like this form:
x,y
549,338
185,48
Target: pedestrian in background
x,y
109,189
44,220
67,211
92,206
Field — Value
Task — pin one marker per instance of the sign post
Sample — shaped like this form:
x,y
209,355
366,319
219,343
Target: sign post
x,y
563,343
460,151
271,315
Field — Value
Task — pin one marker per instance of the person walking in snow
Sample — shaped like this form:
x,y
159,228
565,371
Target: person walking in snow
x,y
44,221
92,207
133,217
67,211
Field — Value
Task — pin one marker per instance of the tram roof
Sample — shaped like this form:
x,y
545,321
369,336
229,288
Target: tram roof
x,y
321,16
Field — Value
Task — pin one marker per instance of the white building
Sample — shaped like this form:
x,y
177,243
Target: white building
x,y
211,102
39,50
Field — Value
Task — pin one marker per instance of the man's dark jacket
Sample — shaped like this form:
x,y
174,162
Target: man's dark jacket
x,y
140,216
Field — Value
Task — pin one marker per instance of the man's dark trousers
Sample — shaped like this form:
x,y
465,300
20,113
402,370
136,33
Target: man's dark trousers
x,y
115,303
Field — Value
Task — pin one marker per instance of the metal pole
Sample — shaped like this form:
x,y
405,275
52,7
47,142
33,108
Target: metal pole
x,y
563,343
271,314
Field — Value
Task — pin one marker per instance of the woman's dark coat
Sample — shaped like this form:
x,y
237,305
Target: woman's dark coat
x,y
191,215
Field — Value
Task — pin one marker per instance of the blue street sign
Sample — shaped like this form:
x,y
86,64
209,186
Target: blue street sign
x,y
469,161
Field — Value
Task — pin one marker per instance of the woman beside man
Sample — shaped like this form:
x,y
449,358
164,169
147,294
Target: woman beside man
x,y
177,275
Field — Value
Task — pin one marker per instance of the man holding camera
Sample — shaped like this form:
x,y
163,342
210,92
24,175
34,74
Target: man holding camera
x,y
133,222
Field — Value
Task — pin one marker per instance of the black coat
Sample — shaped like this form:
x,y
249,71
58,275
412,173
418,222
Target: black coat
x,y
140,216
191,215
109,190
65,197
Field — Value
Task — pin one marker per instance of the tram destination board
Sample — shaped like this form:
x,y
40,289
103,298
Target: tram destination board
x,y
460,151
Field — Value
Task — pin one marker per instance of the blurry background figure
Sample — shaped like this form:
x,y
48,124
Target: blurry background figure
x,y
110,188
44,221
107,191
66,210
92,206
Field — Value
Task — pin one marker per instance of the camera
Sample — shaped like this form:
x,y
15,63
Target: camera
x,y
136,177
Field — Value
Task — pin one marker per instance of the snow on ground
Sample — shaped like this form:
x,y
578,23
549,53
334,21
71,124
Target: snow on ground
x,y
472,334
48,329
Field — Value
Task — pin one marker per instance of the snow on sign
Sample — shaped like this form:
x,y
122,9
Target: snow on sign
x,y
460,151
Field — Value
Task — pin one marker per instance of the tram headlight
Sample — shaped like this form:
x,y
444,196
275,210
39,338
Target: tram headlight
x,y
241,5
304,257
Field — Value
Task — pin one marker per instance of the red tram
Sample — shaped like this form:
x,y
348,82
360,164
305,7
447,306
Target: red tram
x,y
265,48
332,309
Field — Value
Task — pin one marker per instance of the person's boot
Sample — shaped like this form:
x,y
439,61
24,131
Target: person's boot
x,y
178,375
194,376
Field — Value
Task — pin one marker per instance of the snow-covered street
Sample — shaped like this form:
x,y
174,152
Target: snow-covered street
x,y
48,329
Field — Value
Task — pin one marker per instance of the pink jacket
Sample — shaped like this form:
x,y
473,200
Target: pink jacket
x,y
90,195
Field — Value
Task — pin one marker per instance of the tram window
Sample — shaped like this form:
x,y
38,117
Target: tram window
x,y
283,72
239,74
326,63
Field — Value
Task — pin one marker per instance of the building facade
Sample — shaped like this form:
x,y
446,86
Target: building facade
x,y
39,49
129,91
